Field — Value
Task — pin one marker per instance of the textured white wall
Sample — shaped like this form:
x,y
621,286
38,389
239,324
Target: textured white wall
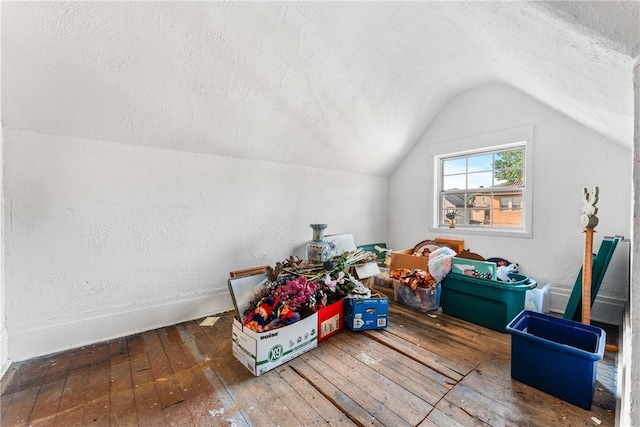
x,y
4,359
567,157
4,362
98,233
630,363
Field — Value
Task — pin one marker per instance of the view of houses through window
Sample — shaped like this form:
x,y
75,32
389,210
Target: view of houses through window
x,y
483,189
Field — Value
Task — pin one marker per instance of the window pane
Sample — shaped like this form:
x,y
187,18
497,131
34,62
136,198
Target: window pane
x,y
463,217
480,180
453,166
480,163
500,180
516,203
479,200
451,205
454,182
480,212
453,201
507,218
509,167
505,202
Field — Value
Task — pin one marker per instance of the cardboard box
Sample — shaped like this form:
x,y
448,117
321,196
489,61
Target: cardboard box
x,y
243,289
366,313
248,272
330,320
406,259
261,352
365,271
455,244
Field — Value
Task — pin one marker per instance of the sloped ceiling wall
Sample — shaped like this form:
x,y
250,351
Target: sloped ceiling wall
x,y
346,86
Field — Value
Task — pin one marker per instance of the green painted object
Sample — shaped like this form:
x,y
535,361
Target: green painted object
x,y
372,248
598,269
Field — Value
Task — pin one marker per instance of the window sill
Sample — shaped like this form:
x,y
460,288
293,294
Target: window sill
x,y
520,234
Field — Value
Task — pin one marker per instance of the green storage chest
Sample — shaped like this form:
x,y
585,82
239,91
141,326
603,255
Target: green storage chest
x,y
489,303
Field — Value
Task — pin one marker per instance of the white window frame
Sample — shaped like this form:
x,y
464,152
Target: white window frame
x,y
523,137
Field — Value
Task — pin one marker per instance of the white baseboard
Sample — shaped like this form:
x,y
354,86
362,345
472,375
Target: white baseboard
x,y
54,335
605,309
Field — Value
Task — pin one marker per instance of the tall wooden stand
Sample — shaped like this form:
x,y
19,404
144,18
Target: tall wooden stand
x,y
589,221
586,276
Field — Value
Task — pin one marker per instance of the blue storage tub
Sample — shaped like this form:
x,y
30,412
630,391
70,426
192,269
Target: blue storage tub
x,y
556,355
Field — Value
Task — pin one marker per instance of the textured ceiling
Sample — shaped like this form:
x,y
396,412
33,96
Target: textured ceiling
x,y
346,85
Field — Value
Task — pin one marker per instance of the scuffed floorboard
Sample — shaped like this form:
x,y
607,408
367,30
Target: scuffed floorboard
x,y
422,371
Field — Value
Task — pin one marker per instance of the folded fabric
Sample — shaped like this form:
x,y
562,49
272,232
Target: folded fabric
x,y
440,263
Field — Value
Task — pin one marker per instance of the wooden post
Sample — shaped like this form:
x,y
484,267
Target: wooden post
x,y
589,221
586,276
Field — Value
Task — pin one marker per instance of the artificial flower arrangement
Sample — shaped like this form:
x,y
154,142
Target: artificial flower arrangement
x,y
295,289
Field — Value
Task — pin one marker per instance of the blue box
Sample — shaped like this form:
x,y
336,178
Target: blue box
x,y
362,314
556,355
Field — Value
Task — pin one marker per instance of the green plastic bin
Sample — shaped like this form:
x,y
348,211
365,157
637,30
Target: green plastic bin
x,y
489,303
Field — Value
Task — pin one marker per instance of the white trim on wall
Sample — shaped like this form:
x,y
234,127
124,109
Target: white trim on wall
x,y
605,309
52,336
479,142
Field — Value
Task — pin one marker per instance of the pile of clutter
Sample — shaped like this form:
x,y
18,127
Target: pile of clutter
x,y
296,289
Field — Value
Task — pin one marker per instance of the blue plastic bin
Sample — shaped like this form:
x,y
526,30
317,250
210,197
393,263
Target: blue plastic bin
x,y
556,355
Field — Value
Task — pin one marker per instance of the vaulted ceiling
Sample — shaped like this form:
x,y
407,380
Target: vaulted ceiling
x,y
340,85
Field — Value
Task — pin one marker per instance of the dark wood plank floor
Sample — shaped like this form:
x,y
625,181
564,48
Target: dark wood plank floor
x,y
422,371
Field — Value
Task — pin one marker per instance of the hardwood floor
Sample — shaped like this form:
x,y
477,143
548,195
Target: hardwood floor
x,y
422,371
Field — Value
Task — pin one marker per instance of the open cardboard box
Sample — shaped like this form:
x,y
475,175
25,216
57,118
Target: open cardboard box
x,y
330,320
405,259
455,244
260,352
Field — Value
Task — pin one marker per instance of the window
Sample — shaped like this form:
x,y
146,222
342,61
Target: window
x,y
483,189
510,203
487,180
